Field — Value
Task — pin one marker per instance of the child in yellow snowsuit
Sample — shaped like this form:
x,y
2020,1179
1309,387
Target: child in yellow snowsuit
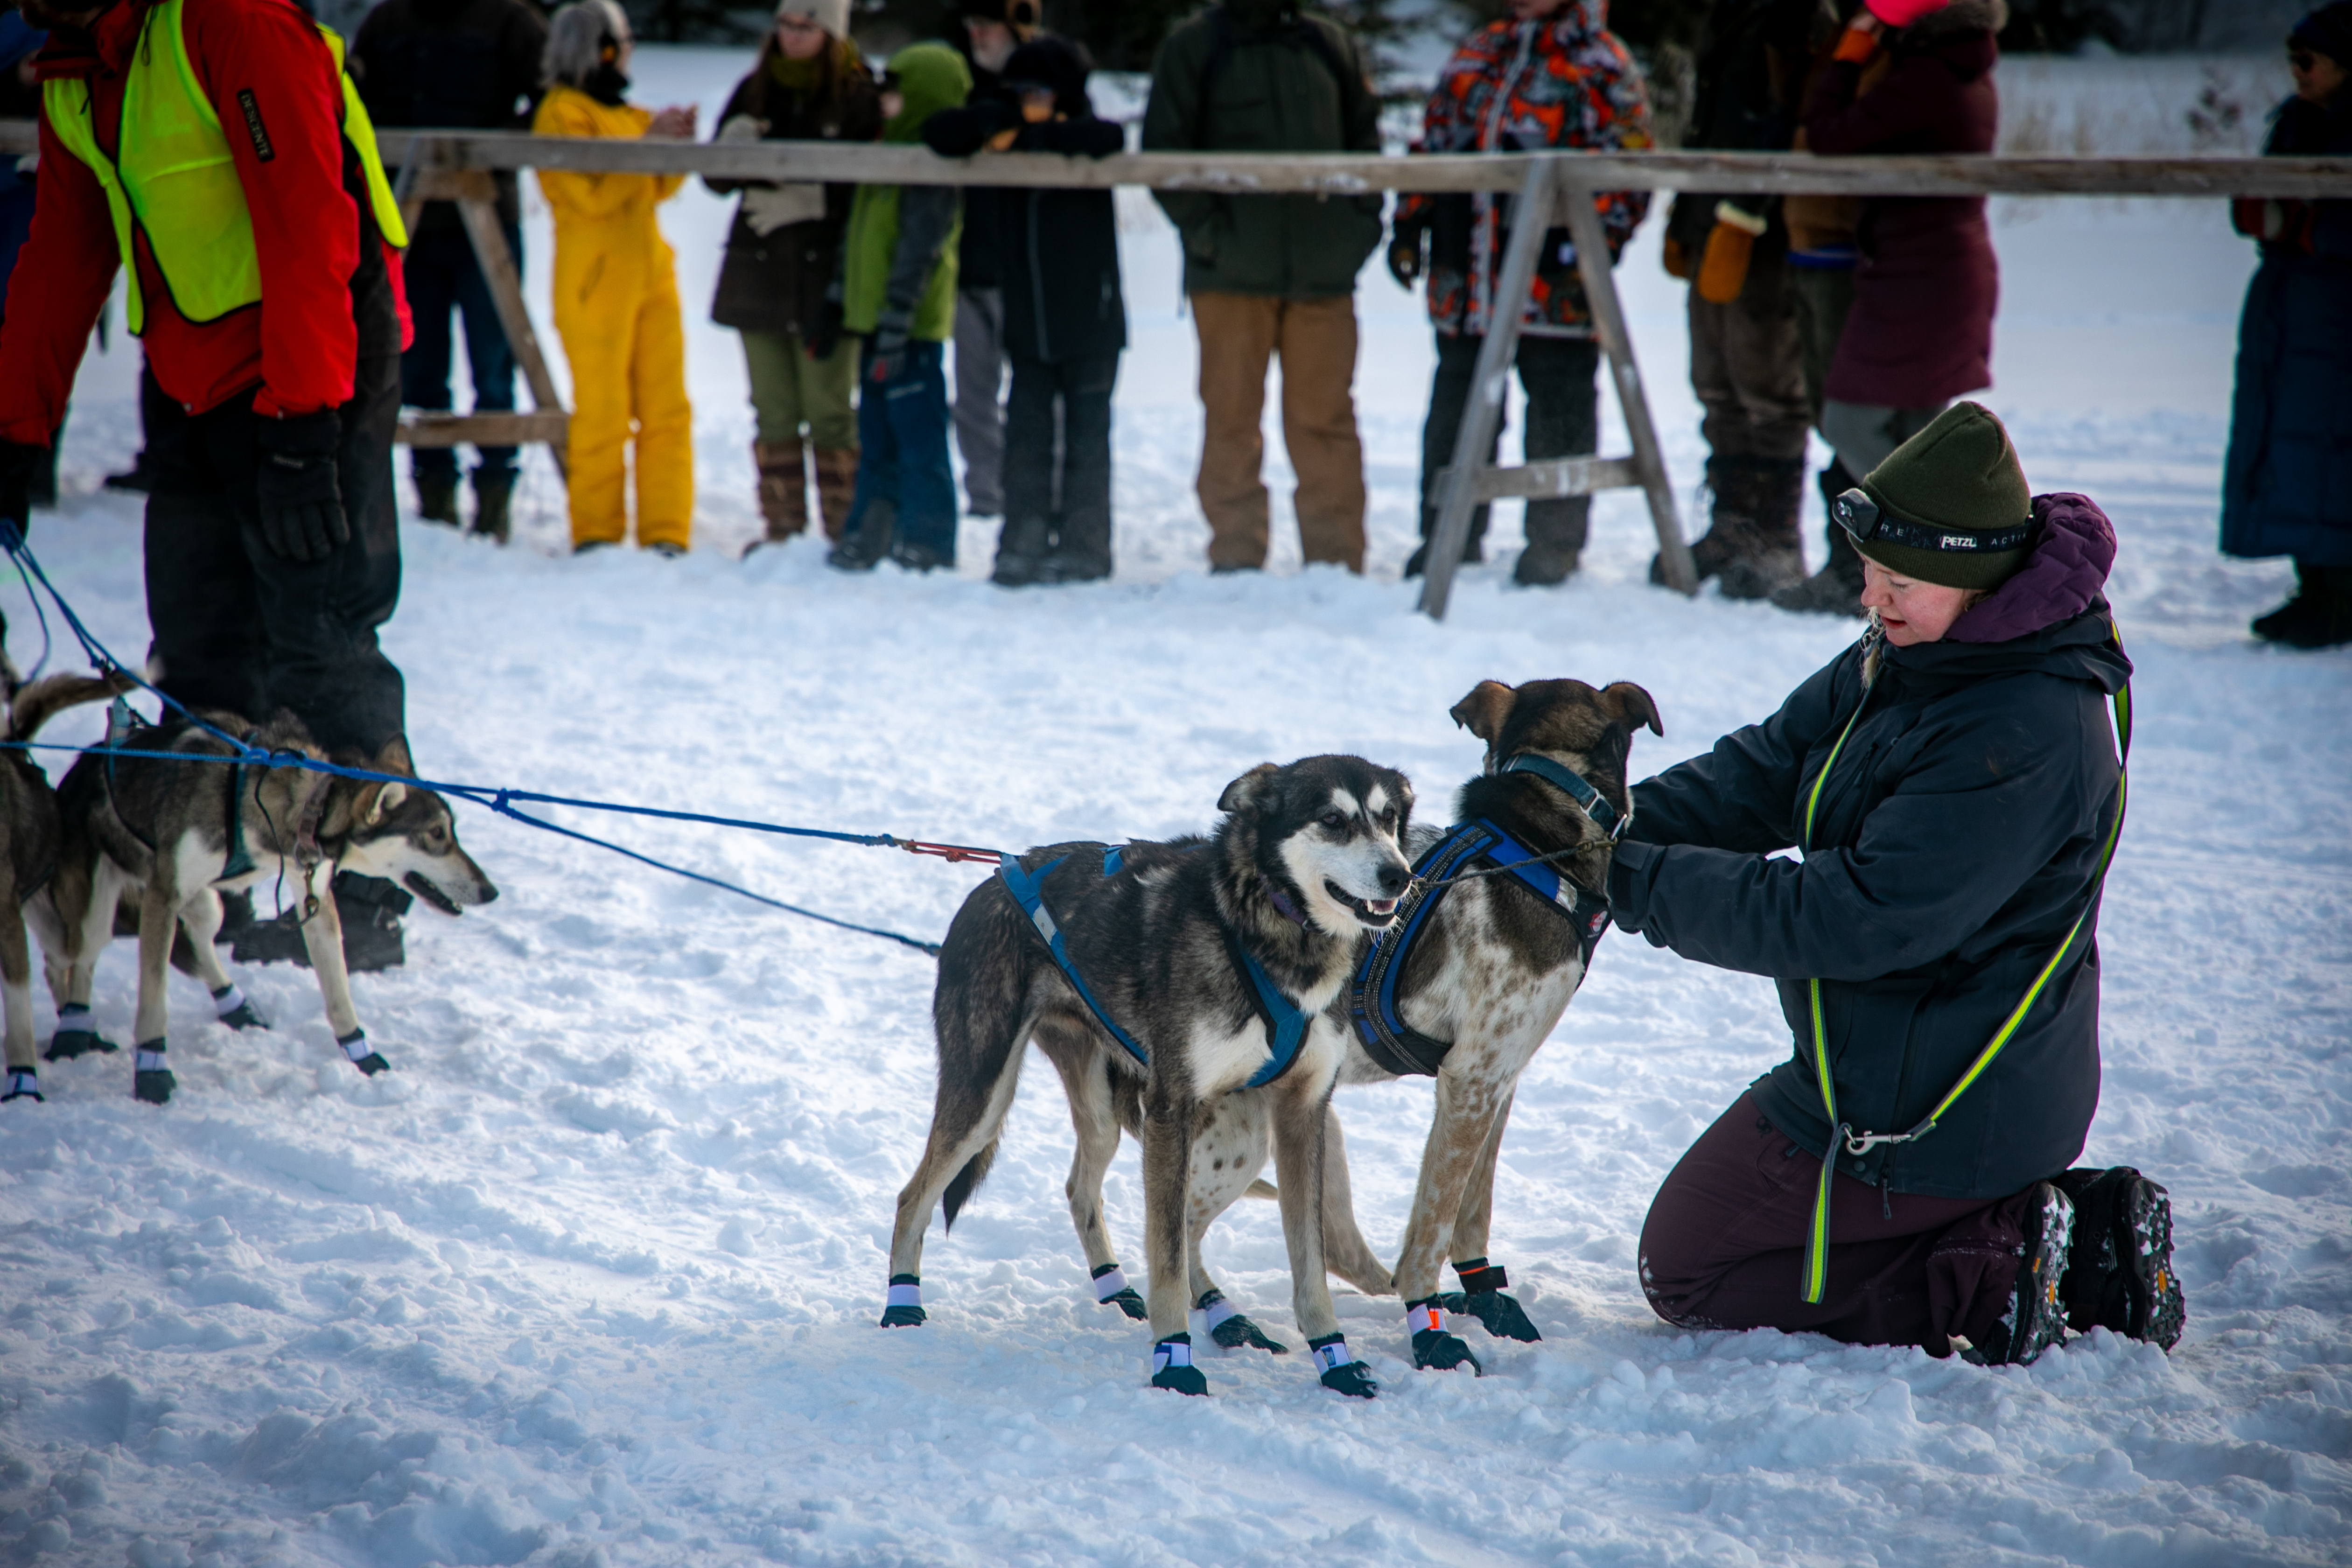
x,y
616,302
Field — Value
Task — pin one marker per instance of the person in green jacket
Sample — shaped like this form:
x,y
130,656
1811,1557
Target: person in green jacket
x,y
1270,276
898,293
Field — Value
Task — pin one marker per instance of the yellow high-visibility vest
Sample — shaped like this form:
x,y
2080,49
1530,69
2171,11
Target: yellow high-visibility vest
x,y
173,179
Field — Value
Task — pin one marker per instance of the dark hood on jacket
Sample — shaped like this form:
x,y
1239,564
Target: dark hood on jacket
x,y
2062,575
2081,648
1057,63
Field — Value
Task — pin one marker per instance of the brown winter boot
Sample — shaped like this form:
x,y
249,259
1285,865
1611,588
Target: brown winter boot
x,y
1727,529
783,487
836,487
1773,556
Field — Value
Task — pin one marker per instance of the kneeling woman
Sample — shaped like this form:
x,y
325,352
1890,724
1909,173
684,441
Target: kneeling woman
x,y
1954,784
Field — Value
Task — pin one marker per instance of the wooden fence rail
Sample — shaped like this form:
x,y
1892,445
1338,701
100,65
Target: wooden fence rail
x,y
1557,187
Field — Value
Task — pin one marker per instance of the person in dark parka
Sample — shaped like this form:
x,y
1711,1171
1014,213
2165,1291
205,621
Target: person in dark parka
x,y
1920,333
2286,485
783,250
1954,781
1064,317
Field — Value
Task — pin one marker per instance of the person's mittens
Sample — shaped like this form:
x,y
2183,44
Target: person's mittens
x,y
1404,255
296,487
889,347
18,463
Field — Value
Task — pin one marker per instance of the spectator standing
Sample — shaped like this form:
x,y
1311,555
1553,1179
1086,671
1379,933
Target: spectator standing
x,y
2286,486
616,295
1064,317
1745,361
993,29
468,65
1550,77
1822,257
1271,277
1919,331
898,290
20,98
809,84
217,152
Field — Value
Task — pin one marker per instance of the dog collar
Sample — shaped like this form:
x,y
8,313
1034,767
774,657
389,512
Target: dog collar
x,y
1604,816
1283,905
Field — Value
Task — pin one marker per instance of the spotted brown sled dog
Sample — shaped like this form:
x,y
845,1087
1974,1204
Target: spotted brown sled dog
x,y
1489,965
1208,969
168,836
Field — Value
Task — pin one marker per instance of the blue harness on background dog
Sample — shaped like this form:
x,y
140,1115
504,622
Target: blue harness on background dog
x,y
1285,1025
1391,1043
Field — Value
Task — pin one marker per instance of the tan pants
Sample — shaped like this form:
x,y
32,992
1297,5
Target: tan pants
x,y
1316,339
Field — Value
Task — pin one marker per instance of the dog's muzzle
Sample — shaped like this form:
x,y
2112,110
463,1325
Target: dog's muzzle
x,y
1373,912
418,882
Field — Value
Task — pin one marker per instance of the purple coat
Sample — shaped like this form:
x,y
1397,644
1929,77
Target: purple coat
x,y
2061,578
1920,332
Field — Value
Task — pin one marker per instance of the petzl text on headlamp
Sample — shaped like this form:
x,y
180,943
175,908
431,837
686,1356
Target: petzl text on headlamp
x,y
1865,519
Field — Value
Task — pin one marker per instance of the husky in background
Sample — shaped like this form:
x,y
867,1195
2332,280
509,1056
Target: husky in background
x,y
29,817
170,834
1306,860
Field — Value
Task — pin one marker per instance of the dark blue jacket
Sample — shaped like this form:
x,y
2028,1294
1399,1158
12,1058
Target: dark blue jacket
x,y
2286,485
1957,839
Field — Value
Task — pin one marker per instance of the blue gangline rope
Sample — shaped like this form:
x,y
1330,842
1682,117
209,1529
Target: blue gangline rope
x,y
491,798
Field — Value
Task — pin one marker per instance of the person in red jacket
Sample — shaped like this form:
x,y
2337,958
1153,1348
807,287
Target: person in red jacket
x,y
245,191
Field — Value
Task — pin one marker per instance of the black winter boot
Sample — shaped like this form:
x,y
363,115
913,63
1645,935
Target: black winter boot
x,y
1021,549
1081,551
493,504
369,909
1556,533
865,550
1836,588
1474,546
436,498
2035,1319
1772,557
2119,1272
2320,614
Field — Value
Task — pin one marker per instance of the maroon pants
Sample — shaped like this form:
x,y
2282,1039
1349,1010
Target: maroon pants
x,y
1723,1246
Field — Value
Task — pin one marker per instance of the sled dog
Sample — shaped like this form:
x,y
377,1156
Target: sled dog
x,y
171,836
1489,965
28,816
1202,971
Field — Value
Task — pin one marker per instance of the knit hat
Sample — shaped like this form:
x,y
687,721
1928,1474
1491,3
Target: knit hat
x,y
2326,31
1949,506
833,16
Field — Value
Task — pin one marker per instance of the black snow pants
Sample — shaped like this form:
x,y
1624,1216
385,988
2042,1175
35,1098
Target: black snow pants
x,y
1563,403
1074,495
237,626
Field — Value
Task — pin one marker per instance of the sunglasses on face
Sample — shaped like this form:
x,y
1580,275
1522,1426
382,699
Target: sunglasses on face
x,y
1864,518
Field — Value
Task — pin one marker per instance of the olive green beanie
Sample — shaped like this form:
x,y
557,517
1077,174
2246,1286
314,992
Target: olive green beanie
x,y
1958,476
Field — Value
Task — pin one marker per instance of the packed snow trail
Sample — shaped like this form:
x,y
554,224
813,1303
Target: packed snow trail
x,y
591,1276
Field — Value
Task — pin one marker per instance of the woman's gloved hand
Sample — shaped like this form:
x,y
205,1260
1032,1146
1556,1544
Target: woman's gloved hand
x,y
1723,271
296,486
889,348
1404,252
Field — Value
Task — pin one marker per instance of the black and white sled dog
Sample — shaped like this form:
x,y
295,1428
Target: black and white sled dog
x,y
171,836
1464,985
28,817
1200,973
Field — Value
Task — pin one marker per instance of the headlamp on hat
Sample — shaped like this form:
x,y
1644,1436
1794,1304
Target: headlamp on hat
x,y
1864,519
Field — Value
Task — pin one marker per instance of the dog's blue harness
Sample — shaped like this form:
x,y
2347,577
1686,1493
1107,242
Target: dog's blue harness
x,y
1285,1024
1391,1043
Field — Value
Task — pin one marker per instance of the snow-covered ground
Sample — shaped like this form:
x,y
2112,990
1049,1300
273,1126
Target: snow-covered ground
x,y
592,1278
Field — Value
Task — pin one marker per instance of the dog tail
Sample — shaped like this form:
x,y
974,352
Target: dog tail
x,y
1262,1188
966,1181
42,700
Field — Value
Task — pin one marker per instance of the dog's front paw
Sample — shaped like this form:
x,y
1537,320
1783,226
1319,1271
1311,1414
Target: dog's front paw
x,y
1434,1350
1341,1373
232,1007
1172,1368
24,1083
67,1044
903,1307
1502,1315
1127,1301
151,1081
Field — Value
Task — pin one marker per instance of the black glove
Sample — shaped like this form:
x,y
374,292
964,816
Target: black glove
x,y
889,348
294,483
825,334
19,464
1404,257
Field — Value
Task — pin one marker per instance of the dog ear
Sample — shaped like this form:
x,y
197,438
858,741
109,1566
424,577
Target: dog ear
x,y
1246,791
395,759
1483,711
381,801
1632,707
